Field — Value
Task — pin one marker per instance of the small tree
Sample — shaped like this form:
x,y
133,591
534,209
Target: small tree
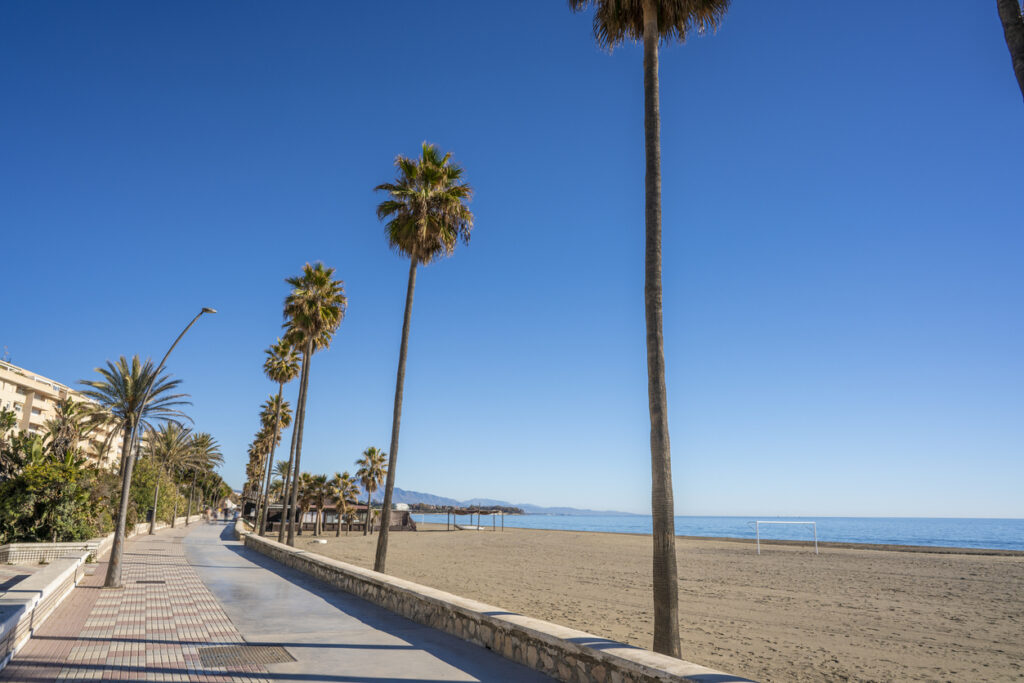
x,y
371,473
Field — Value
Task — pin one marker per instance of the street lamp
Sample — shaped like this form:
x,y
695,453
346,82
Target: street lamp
x,y
149,390
113,579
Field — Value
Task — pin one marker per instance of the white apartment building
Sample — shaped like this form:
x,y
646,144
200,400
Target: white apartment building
x,y
33,398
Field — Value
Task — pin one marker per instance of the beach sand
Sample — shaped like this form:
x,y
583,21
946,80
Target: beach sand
x,y
786,615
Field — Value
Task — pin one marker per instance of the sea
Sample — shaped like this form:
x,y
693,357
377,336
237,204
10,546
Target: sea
x,y
998,534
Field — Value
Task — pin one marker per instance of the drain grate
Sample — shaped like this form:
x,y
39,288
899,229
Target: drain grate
x,y
149,581
230,656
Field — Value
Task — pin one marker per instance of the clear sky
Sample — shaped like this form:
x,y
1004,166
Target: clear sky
x,y
843,243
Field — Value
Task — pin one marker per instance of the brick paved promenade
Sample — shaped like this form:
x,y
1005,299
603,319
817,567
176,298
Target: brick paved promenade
x,y
152,629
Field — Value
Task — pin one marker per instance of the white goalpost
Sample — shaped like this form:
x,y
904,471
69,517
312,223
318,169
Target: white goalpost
x,y
757,530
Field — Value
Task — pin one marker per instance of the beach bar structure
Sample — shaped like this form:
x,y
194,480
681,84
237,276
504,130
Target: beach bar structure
x,y
401,520
453,515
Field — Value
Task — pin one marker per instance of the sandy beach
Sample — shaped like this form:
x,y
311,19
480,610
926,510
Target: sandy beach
x,y
786,615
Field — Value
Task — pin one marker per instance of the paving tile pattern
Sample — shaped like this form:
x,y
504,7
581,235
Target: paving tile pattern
x,y
142,632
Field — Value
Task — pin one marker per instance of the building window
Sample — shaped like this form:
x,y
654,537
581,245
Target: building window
x,y
36,411
17,407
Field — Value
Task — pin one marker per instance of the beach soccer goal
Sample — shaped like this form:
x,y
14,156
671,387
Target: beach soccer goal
x,y
757,531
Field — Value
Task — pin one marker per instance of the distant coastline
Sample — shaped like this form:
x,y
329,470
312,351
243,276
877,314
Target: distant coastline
x,y
933,535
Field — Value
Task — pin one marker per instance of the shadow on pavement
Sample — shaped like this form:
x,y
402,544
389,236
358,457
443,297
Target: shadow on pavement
x,y
474,660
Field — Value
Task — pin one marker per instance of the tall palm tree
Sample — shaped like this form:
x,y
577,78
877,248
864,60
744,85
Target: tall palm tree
x,y
343,488
265,441
276,492
257,451
426,216
205,457
281,471
281,366
133,394
313,311
304,493
370,474
1012,17
653,21
169,446
319,493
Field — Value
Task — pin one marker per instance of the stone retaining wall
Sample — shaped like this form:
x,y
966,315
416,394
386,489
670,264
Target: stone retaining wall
x,y
25,606
560,652
31,553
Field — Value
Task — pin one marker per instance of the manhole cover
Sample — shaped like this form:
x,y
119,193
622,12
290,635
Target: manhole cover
x,y
229,656
141,581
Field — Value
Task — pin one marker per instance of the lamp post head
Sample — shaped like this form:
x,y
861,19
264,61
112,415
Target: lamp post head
x,y
209,310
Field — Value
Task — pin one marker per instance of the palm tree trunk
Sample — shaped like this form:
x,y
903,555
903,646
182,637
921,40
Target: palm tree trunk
x,y
270,462
666,584
366,525
286,509
380,561
304,385
174,517
1012,17
113,578
338,512
191,491
156,502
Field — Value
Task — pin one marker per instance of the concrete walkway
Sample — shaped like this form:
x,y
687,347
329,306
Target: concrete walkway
x,y
197,606
333,636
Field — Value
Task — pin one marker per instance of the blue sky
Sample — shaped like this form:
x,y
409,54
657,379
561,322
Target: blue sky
x,y
842,250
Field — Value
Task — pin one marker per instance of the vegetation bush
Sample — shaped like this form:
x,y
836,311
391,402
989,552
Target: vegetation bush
x,y
145,477
51,500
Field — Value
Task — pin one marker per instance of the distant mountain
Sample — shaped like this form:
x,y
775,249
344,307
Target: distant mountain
x,y
540,510
484,502
403,496
410,497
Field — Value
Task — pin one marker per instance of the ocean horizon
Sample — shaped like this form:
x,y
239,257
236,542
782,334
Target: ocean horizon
x,y
985,533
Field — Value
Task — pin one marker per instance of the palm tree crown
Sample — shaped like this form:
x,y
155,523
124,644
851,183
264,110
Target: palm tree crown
x,y
170,445
72,422
426,212
281,468
371,468
315,307
616,21
275,409
123,389
206,453
282,363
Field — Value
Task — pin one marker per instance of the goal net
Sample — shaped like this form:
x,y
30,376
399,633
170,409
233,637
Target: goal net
x,y
759,523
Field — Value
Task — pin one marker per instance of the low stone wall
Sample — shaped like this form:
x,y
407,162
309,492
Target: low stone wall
x,y
560,652
31,553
